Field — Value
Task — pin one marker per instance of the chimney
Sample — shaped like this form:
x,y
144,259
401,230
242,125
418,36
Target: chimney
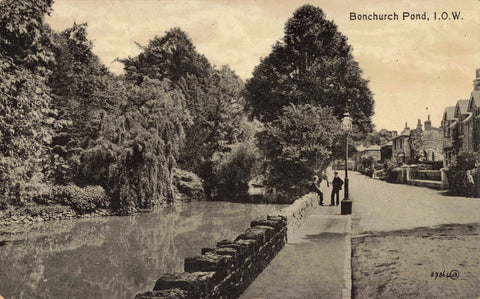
x,y
419,125
476,82
428,124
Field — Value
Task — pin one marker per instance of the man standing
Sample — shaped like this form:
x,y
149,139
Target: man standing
x,y
337,186
316,185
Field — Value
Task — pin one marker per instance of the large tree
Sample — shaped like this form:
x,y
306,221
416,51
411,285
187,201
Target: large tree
x,y
298,145
212,96
25,115
312,64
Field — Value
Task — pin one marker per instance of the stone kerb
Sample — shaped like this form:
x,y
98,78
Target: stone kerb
x,y
227,270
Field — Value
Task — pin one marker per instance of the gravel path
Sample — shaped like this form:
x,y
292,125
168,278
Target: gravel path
x,y
413,242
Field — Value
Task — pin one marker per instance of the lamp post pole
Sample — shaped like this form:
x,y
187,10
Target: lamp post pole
x,y
346,169
346,205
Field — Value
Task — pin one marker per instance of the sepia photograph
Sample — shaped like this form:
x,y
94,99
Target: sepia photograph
x,y
253,149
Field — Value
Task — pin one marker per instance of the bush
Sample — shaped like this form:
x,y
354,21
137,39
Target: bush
x,y
389,166
188,185
236,168
369,171
456,172
82,200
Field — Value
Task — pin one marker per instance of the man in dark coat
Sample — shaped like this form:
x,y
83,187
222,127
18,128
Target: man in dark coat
x,y
337,184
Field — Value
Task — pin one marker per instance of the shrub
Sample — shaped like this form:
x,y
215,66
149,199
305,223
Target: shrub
x,y
456,173
236,168
82,200
369,171
389,166
188,185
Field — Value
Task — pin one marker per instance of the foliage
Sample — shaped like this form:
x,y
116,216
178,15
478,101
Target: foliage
x,y
389,167
367,161
313,64
188,185
415,143
82,200
237,167
296,145
212,97
25,114
465,161
216,106
462,162
135,154
82,94
172,56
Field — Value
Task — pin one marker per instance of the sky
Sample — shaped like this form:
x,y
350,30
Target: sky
x,y
415,67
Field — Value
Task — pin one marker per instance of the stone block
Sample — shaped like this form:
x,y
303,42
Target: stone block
x,y
223,243
280,218
249,245
276,224
197,284
207,250
243,250
164,294
269,231
253,234
229,251
220,264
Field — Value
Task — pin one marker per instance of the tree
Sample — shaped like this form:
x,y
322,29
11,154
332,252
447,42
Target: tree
x,y
212,96
136,152
313,64
83,91
25,114
415,141
171,56
296,145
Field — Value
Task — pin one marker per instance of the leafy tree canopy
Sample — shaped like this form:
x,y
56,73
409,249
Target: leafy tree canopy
x,y
312,64
297,145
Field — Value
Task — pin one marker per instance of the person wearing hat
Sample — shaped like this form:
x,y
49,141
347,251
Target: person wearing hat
x,y
316,186
337,184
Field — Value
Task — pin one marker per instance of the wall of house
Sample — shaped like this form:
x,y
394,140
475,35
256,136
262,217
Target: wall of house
x,y
433,145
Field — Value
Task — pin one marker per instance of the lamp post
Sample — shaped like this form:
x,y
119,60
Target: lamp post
x,y
346,205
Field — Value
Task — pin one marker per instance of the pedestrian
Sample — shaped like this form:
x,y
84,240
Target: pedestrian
x,y
315,186
336,187
469,184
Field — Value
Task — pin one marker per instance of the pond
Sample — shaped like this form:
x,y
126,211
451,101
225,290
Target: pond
x,y
116,257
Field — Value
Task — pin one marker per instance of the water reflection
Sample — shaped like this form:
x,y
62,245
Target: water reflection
x,y
115,257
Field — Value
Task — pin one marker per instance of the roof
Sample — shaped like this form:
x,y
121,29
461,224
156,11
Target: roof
x,y
390,143
475,98
405,132
373,148
360,148
461,107
449,113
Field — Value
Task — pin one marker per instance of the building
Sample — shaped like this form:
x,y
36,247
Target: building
x,y
461,128
372,151
471,139
386,151
432,142
446,127
400,146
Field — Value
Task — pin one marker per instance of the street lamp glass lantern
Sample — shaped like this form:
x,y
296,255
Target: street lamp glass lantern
x,y
347,122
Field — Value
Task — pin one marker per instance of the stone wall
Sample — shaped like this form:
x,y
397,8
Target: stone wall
x,y
227,270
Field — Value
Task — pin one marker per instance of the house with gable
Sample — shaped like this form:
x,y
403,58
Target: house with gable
x,y
447,127
471,140
400,146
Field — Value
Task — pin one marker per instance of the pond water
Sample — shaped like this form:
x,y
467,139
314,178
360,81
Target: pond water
x,y
116,257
